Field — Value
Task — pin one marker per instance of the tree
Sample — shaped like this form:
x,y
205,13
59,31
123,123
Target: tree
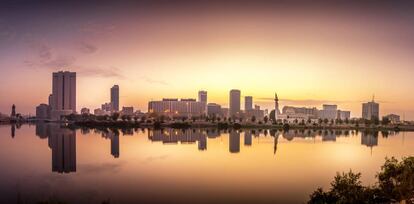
x,y
385,121
253,118
395,185
272,115
265,119
124,117
115,116
326,121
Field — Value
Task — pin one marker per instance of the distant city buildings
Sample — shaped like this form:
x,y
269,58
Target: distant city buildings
x,y
43,112
248,103
177,108
234,107
329,112
214,110
85,111
290,112
370,110
127,111
393,118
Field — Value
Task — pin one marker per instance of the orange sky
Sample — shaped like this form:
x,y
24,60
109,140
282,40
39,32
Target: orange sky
x,y
309,55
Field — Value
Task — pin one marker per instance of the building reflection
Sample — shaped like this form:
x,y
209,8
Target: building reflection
x,y
174,136
113,136
234,141
369,139
248,138
62,142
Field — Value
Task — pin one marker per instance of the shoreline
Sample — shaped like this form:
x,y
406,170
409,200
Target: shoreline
x,y
226,125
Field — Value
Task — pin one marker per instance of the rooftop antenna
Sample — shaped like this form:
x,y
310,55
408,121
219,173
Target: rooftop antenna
x,y
373,97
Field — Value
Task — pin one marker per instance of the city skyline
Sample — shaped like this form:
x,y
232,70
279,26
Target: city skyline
x,y
308,57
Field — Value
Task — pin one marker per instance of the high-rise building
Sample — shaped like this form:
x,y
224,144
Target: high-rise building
x,y
234,107
248,103
115,98
63,98
64,91
370,110
202,96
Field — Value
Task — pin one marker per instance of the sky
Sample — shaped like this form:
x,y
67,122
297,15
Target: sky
x,y
310,53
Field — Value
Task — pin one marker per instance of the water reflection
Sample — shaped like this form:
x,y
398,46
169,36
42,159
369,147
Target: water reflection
x,y
62,140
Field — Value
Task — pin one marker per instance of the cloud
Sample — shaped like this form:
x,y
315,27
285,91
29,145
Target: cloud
x,y
43,58
154,81
87,48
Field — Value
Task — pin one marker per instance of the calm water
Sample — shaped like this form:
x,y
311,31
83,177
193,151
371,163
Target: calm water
x,y
46,162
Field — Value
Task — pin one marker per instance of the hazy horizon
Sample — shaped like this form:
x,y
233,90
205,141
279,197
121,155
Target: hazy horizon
x,y
340,52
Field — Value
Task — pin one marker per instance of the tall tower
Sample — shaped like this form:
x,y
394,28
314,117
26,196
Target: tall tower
x,y
277,112
64,91
13,112
248,103
234,108
115,98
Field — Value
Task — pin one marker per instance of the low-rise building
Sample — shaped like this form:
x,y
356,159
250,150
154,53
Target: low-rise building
x,y
177,108
214,109
85,111
393,118
43,112
127,110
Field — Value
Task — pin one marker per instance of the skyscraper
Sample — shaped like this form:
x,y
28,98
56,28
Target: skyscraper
x,y
234,109
115,98
63,94
13,112
202,96
370,110
248,103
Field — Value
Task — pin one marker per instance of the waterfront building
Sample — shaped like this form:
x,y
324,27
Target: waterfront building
x,y
202,96
99,112
299,113
248,103
329,112
214,109
115,98
344,115
128,110
63,94
234,109
370,110
85,111
393,118
42,112
225,112
107,107
177,108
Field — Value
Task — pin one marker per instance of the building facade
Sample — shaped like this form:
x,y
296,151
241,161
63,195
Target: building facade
x,y
63,94
234,108
177,108
43,112
248,103
370,110
214,109
329,112
115,98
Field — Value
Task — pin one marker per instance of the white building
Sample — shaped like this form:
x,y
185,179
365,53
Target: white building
x,y
329,112
177,108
